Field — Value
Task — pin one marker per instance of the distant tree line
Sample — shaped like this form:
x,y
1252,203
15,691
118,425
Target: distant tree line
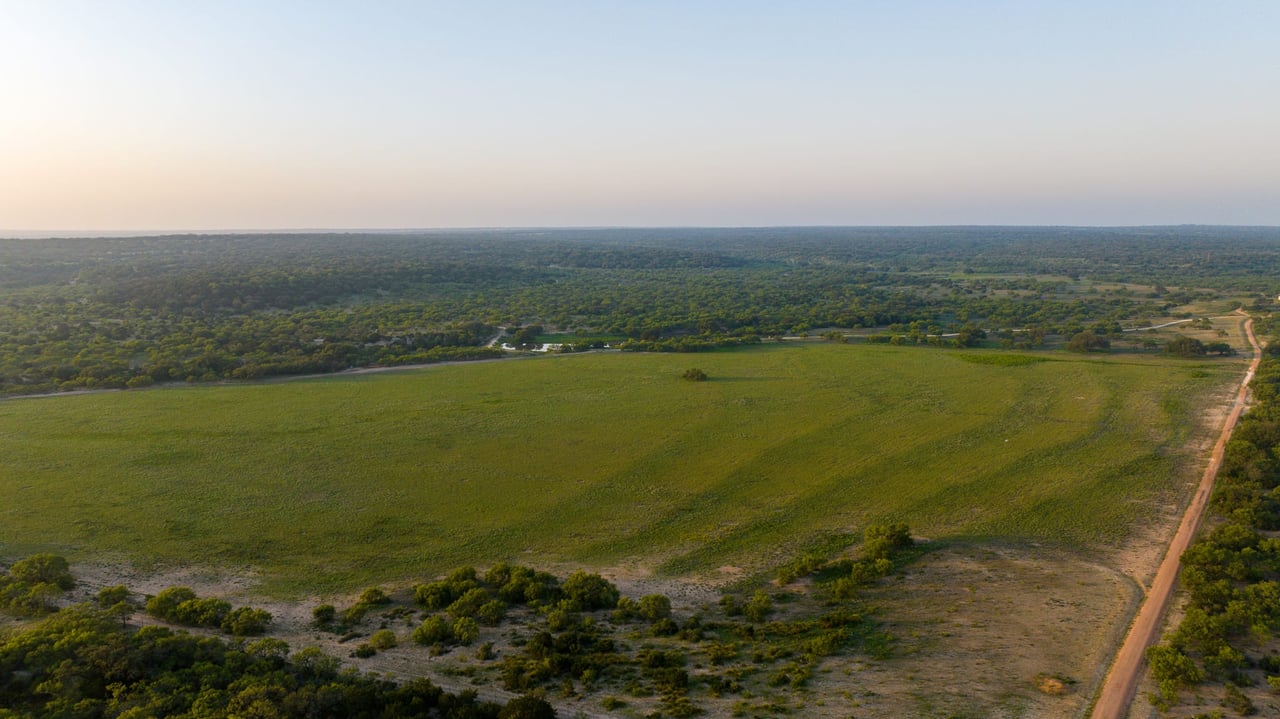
x,y
116,313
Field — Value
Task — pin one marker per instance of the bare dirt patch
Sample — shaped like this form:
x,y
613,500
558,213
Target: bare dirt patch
x,y
977,632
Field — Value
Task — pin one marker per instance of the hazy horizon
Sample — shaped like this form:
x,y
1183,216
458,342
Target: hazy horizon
x,y
239,231
279,116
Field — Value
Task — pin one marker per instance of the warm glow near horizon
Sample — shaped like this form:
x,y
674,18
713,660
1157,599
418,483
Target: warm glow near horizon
x,y
150,115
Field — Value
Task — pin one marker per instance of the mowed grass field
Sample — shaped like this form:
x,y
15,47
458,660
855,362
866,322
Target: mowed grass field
x,y
600,460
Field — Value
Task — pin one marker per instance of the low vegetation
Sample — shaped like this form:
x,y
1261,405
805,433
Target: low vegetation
x,y
579,637
180,605
31,585
82,662
694,374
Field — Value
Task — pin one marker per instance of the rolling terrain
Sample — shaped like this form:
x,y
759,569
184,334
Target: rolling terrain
x,y
601,460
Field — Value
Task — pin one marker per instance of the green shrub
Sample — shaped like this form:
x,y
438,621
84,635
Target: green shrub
x,y
1172,671
109,597
354,614
43,569
468,605
665,627
433,630
434,595
759,608
25,599
590,591
801,566
1237,701
678,705
323,615
729,605
181,606
626,610
694,374
527,707
563,618
722,652
208,612
491,612
373,596
383,639
246,621
462,575
525,586
691,630
466,631
498,575
654,607
165,604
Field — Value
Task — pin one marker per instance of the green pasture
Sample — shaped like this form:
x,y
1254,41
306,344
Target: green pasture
x,y
600,460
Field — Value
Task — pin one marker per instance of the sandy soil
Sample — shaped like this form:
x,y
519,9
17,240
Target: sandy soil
x,y
989,632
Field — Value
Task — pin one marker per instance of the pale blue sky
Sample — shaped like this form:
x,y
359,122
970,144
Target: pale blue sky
x,y
271,115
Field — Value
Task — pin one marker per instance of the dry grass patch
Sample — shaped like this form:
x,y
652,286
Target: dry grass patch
x,y
990,632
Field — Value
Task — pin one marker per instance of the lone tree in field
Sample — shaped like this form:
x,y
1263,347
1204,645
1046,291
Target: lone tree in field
x,y
1185,347
1088,342
695,375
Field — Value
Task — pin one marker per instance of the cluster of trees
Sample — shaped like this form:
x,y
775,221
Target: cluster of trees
x,y
31,586
181,605
86,661
839,583
113,313
325,615
468,600
564,633
1232,574
1191,347
83,661
882,546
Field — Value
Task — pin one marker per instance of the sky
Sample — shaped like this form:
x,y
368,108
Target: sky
x,y
272,115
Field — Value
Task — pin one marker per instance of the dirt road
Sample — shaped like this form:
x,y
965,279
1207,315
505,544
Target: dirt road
x,y
1121,684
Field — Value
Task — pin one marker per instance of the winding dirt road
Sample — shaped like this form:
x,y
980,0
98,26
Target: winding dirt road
x,y
1121,683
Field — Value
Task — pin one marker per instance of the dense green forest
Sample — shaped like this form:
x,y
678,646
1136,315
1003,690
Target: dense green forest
x,y
128,312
